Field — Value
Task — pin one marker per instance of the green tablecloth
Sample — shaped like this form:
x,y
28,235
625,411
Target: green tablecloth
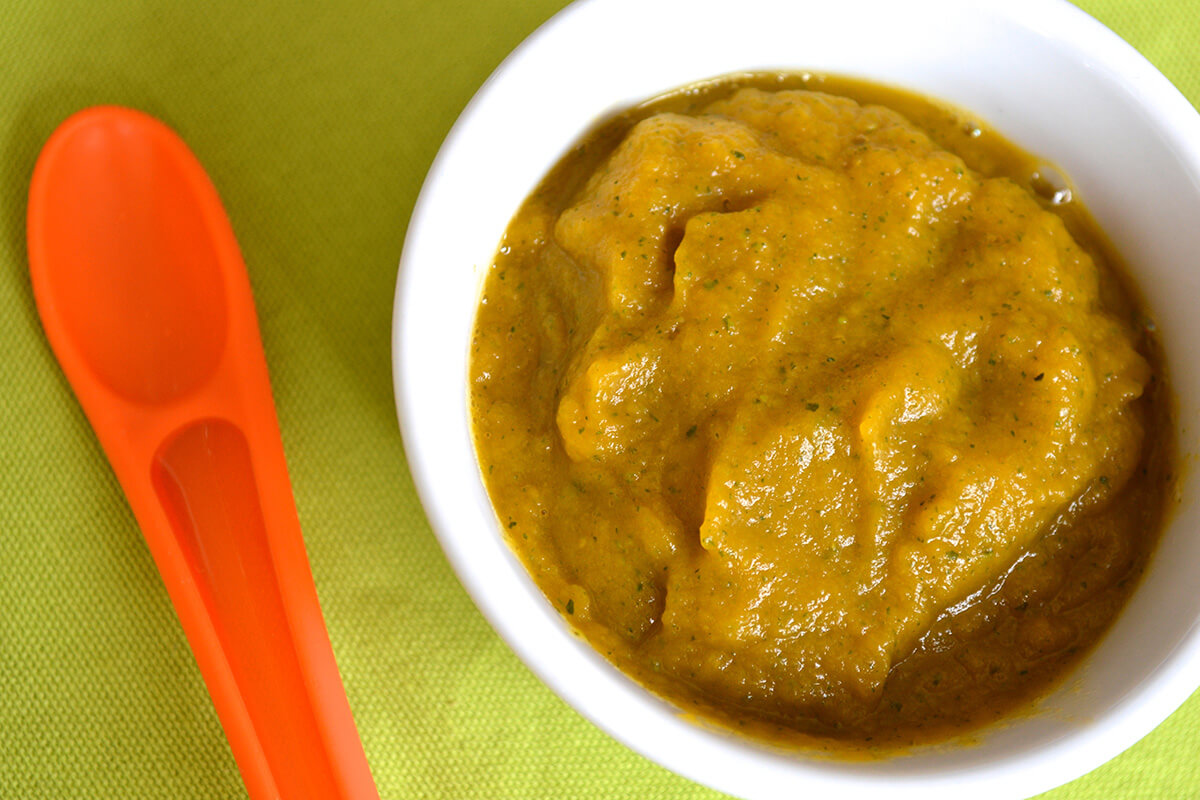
x,y
317,123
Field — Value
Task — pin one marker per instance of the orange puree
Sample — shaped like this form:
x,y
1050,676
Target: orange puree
x,y
807,422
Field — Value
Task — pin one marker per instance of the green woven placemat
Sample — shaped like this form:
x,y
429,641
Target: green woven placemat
x,y
317,122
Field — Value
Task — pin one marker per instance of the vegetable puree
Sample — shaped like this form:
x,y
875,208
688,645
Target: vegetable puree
x,y
813,425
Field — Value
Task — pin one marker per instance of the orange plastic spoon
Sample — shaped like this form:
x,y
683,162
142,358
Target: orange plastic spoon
x,y
145,300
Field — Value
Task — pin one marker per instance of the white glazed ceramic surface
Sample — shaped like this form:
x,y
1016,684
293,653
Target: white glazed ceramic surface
x,y
1045,75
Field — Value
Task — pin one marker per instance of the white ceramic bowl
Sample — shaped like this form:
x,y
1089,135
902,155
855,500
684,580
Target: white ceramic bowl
x,y
1040,71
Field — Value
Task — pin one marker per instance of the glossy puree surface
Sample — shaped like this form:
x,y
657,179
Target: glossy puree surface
x,y
831,423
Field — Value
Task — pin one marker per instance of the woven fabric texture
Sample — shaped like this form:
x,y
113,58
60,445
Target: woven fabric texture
x,y
317,122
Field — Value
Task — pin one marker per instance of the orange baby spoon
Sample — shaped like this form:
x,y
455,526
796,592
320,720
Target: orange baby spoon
x,y
145,300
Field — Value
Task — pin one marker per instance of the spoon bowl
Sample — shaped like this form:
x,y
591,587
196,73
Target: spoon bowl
x,y
108,252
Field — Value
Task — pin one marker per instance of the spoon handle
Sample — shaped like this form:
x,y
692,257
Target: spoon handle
x,y
269,665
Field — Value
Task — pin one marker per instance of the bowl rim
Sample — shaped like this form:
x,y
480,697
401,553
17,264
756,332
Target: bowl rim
x,y
1134,716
